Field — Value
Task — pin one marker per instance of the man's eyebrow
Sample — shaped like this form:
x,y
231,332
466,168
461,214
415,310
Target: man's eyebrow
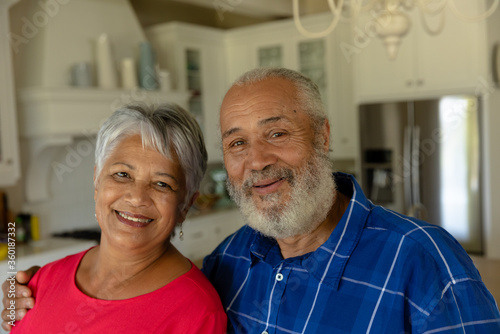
x,y
262,122
271,120
230,132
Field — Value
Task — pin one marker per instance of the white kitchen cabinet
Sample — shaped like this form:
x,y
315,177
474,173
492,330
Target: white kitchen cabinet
x,y
450,62
203,232
9,152
194,56
280,44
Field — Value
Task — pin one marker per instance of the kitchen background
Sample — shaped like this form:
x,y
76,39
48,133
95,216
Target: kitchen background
x,y
200,48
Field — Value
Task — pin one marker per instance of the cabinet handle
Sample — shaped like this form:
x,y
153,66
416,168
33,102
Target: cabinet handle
x,y
420,82
409,83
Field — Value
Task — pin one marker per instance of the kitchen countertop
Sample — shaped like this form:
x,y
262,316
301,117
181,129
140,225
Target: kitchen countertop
x,y
48,245
42,252
490,273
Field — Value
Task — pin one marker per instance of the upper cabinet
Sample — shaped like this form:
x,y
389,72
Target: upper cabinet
x,y
450,62
194,56
9,153
279,44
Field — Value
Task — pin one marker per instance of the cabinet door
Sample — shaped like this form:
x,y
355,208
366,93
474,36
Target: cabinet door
x,y
205,77
277,51
195,56
9,155
239,60
377,76
456,57
342,110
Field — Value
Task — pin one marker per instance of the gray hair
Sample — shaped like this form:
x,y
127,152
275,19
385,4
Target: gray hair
x,y
167,128
308,94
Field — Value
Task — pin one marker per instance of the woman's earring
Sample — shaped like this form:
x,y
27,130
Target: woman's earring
x,y
181,234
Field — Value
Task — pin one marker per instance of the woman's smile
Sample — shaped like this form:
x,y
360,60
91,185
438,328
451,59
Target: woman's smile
x,y
132,219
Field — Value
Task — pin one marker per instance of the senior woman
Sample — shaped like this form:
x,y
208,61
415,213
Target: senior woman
x,y
148,166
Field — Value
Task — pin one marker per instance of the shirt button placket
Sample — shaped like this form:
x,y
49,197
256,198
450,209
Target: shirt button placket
x,y
280,279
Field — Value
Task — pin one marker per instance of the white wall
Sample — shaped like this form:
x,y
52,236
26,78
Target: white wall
x,y
492,152
71,203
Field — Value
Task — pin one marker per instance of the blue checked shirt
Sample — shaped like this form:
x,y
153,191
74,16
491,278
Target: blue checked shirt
x,y
379,272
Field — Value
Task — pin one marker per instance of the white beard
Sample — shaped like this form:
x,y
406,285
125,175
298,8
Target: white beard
x,y
311,197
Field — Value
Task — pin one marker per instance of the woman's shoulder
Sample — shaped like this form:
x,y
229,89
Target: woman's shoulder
x,y
195,289
70,262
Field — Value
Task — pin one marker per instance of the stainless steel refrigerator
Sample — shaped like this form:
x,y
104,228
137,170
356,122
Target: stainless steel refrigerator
x,y
422,158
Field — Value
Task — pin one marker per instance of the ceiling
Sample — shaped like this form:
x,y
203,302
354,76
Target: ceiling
x,y
252,8
221,13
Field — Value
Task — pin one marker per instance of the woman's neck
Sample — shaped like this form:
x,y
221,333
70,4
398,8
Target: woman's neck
x,y
109,273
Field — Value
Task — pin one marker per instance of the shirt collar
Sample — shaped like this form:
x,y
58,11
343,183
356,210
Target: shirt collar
x,y
328,262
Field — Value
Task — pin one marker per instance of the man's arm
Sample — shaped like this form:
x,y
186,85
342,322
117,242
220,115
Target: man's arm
x,y
22,301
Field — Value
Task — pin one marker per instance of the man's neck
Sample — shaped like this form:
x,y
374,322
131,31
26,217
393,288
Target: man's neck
x,y
306,243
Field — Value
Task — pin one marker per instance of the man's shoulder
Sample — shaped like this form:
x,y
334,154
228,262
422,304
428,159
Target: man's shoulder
x,y
236,247
425,241
238,243
420,231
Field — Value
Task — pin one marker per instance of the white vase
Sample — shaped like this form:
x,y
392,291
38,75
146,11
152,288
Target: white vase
x,y
129,73
106,70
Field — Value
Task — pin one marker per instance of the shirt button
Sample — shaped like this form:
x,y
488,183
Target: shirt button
x,y
279,277
265,332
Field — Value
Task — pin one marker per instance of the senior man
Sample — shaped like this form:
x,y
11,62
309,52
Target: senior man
x,y
317,256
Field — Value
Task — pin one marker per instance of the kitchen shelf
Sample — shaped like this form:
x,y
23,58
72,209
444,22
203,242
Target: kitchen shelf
x,y
52,118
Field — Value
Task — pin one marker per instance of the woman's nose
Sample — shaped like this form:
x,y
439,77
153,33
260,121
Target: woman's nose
x,y
138,194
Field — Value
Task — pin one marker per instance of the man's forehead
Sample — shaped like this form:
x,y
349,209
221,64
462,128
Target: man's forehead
x,y
272,90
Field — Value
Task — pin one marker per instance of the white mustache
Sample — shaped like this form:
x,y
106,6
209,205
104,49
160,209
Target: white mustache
x,y
271,172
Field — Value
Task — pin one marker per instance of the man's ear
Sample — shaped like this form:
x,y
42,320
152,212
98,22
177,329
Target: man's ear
x,y
326,136
187,207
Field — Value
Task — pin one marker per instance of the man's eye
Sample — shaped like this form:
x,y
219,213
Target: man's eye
x,y
237,143
277,134
122,174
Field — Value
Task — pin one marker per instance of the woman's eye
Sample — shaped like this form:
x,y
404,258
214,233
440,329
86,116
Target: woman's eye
x,y
163,185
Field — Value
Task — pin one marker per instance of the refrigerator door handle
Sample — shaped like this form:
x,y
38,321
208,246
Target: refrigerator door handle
x,y
417,210
415,166
407,167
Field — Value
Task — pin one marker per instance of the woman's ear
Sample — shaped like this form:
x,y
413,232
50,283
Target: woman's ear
x,y
95,183
187,207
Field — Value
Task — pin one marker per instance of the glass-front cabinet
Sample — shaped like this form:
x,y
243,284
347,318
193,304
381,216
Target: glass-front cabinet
x,y
312,62
194,84
271,56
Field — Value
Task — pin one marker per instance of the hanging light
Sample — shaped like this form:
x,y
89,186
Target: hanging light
x,y
396,27
396,22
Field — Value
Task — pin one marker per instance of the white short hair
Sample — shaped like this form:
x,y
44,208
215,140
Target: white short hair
x,y
167,128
